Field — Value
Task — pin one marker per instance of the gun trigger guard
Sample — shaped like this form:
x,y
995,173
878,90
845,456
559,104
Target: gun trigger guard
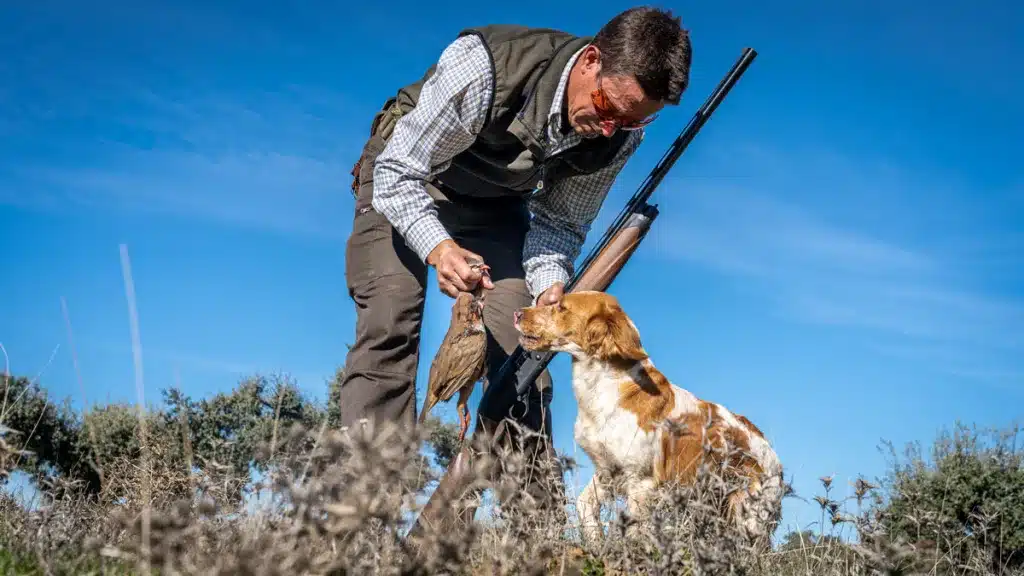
x,y
520,401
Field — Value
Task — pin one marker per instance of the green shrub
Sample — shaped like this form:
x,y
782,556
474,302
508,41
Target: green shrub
x,y
964,504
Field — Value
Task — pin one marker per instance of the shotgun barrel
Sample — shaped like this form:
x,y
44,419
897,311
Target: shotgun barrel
x,y
610,254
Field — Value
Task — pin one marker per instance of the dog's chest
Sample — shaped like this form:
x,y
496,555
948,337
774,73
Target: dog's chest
x,y
609,434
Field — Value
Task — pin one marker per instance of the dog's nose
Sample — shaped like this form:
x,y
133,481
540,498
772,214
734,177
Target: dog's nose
x,y
517,316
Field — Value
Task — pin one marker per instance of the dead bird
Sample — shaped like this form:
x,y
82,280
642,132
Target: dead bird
x,y
462,357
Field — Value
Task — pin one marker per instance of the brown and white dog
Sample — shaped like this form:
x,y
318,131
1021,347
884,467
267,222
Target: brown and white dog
x,y
632,419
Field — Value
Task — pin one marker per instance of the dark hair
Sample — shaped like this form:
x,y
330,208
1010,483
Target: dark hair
x,y
651,45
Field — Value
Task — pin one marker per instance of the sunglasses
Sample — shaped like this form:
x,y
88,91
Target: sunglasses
x,y
607,113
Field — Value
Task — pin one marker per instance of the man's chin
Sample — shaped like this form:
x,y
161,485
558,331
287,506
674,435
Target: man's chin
x,y
586,130
589,130
594,131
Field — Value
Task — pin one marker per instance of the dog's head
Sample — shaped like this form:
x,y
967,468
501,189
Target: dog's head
x,y
584,324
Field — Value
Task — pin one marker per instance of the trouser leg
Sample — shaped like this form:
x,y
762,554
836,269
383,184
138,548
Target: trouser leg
x,y
543,474
496,229
386,281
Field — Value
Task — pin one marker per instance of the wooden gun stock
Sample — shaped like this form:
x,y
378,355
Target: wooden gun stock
x,y
620,248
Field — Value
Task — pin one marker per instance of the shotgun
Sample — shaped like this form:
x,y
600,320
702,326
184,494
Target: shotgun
x,y
508,391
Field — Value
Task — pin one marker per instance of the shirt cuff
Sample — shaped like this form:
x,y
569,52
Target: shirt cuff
x,y
544,277
425,234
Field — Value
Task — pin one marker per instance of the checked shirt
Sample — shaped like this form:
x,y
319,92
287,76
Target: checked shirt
x,y
450,112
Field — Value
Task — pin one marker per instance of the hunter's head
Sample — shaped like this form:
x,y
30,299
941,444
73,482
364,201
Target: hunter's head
x,y
636,64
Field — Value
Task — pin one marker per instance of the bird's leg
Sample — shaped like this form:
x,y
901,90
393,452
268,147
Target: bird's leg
x,y
484,270
464,424
464,416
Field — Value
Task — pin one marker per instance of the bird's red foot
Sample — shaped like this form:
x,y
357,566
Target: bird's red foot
x,y
463,424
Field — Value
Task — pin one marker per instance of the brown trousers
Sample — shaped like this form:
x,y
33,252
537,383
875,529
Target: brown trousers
x,y
388,283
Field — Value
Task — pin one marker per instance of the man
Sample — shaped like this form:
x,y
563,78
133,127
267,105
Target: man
x,y
510,120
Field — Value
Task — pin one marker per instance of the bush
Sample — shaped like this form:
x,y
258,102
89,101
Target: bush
x,y
117,500
966,505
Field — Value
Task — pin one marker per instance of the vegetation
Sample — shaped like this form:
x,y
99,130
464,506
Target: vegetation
x,y
260,480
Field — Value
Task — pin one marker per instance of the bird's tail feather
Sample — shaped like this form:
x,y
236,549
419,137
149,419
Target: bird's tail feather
x,y
427,405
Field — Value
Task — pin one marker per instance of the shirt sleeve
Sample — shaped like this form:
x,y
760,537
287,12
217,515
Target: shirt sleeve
x,y
562,216
448,116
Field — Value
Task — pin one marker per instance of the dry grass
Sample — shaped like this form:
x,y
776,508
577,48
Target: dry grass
x,y
343,507
341,502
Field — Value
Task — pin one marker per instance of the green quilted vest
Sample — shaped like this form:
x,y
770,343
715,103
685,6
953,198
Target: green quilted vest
x,y
508,156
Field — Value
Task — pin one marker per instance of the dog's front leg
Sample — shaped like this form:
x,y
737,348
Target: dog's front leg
x,y
588,509
637,496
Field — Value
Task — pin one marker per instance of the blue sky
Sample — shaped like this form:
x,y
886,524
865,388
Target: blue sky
x,y
839,256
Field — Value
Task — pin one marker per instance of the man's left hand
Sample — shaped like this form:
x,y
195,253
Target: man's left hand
x,y
552,295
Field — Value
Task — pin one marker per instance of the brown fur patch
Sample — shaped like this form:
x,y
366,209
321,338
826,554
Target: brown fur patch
x,y
703,434
750,425
607,333
650,397
594,321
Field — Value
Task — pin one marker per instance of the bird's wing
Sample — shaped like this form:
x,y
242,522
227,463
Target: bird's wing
x,y
451,338
434,385
462,366
441,369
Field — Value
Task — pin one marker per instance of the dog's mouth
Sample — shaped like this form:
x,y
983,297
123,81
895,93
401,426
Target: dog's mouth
x,y
529,341
526,339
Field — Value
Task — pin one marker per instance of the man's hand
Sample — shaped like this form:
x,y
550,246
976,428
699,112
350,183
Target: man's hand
x,y
454,274
552,295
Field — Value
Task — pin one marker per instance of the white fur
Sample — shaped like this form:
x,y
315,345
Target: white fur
x,y
613,439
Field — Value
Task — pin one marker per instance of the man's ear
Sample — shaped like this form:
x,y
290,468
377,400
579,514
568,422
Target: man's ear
x,y
610,337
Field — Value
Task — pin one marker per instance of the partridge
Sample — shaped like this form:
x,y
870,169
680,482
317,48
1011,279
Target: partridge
x,y
462,357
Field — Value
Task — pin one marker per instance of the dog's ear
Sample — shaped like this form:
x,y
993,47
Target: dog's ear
x,y
610,337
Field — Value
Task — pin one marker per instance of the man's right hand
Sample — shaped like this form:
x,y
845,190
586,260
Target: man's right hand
x,y
454,274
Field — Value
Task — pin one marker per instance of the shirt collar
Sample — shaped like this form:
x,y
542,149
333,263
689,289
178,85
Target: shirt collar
x,y
555,116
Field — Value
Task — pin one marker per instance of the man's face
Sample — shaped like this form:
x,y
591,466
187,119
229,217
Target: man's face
x,y
600,104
